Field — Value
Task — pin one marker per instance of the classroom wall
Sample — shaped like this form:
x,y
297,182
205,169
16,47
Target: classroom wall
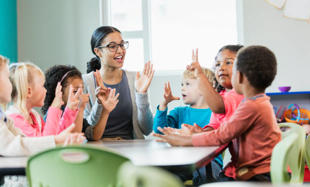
x,y
48,37
8,29
57,31
288,38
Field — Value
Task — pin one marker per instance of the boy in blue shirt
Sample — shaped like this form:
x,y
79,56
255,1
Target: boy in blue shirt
x,y
197,112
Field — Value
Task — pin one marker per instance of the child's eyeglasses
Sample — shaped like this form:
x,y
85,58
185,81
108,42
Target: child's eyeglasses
x,y
113,47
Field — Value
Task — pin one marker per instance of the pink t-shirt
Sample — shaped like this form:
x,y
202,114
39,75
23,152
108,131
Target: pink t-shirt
x,y
55,123
231,101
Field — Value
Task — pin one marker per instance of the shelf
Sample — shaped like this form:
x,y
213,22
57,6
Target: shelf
x,y
288,93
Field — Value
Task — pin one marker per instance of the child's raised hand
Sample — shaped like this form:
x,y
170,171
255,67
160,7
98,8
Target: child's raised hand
x,y
58,102
168,97
111,101
74,98
84,99
195,66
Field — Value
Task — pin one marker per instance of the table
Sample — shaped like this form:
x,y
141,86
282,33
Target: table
x,y
140,152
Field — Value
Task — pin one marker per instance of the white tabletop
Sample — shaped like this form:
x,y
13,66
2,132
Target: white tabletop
x,y
152,153
140,152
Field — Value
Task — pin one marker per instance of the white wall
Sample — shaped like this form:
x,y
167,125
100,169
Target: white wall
x,y
288,38
57,31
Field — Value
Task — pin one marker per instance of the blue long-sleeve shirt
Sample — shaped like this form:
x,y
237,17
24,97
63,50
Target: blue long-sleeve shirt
x,y
181,115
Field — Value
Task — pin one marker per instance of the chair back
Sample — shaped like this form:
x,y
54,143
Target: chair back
x,y
77,166
289,154
144,176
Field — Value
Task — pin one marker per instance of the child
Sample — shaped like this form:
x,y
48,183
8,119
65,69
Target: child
x,y
197,112
29,92
70,75
253,128
224,103
12,141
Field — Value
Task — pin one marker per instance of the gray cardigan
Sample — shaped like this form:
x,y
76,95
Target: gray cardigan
x,y
142,117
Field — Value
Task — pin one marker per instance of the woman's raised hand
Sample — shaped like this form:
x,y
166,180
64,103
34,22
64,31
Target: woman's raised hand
x,y
195,66
111,101
58,102
144,80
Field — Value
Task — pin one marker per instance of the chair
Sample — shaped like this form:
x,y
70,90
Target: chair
x,y
77,166
289,152
144,176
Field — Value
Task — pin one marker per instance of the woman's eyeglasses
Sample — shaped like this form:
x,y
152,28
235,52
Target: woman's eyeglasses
x,y
113,47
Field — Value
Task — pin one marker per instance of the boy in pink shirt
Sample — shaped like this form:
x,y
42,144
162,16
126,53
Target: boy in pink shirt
x,y
252,129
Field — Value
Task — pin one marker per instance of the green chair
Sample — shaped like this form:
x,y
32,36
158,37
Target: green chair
x,y
77,166
307,151
289,153
144,176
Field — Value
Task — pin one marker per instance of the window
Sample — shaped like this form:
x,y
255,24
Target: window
x,y
165,31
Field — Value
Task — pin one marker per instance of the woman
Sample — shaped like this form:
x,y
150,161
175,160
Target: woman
x,y
132,117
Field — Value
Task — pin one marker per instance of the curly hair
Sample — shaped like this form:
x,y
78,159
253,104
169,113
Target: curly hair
x,y
54,75
258,64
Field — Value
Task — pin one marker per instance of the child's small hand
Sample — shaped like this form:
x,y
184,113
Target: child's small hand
x,y
84,99
111,101
58,102
68,137
195,66
168,97
191,129
173,138
74,98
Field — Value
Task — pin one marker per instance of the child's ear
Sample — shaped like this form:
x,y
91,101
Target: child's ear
x,y
29,92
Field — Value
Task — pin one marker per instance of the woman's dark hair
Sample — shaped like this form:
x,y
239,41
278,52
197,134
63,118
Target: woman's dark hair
x,y
232,48
54,75
98,36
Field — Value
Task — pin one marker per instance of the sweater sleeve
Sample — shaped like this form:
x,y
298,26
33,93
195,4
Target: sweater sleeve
x,y
67,119
51,126
161,119
12,144
241,120
145,116
93,109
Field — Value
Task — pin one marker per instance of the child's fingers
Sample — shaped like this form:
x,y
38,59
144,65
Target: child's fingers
x,y
162,140
196,56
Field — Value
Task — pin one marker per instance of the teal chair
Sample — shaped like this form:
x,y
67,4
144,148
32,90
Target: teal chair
x,y
289,153
76,166
145,176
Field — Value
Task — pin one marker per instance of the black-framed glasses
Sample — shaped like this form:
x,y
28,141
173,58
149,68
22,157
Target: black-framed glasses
x,y
113,47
